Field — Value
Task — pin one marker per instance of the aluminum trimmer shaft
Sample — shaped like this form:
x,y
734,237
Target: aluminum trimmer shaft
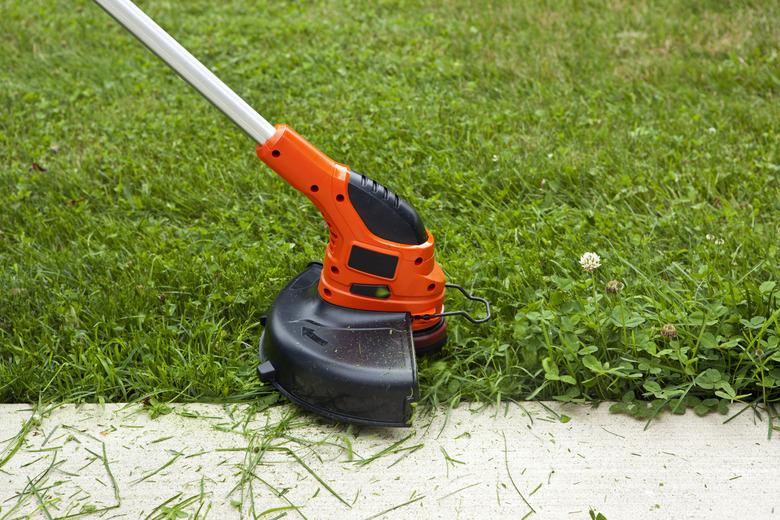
x,y
189,68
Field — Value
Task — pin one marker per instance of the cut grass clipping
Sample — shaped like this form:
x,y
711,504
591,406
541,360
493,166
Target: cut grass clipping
x,y
141,240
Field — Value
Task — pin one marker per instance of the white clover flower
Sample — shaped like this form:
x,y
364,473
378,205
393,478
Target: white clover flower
x,y
711,130
709,237
590,261
615,286
719,242
669,331
495,158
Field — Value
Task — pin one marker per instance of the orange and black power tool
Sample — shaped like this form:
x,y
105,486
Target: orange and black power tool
x,y
341,337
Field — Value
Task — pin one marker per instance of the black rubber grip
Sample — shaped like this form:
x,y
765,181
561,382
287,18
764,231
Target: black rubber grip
x,y
384,213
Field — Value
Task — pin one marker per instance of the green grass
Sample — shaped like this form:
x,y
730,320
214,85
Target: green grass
x,y
141,239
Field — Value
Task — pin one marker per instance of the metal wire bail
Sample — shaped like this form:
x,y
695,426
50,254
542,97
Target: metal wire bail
x,y
462,313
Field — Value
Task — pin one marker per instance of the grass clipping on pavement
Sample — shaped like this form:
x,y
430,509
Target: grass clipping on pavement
x,y
141,240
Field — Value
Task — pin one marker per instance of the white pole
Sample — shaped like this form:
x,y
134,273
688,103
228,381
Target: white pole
x,y
189,68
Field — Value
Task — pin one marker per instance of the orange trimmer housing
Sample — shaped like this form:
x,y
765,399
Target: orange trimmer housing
x,y
361,269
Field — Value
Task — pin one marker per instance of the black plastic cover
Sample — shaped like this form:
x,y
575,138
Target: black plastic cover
x,y
350,365
384,213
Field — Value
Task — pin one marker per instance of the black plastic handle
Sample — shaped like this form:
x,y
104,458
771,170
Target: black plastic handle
x,y
384,213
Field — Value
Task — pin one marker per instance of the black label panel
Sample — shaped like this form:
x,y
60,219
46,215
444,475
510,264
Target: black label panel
x,y
371,262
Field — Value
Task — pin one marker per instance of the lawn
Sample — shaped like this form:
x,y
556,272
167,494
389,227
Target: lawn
x,y
141,240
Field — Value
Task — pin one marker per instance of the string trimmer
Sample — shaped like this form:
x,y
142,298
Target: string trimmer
x,y
341,337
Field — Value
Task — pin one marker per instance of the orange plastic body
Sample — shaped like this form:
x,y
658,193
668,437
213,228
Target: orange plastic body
x,y
418,284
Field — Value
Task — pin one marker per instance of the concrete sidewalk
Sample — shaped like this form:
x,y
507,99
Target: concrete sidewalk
x,y
210,461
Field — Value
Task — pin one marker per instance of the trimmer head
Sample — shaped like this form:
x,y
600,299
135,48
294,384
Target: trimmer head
x,y
347,364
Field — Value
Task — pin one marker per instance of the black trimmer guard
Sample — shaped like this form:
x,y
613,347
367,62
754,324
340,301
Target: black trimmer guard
x,y
346,364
